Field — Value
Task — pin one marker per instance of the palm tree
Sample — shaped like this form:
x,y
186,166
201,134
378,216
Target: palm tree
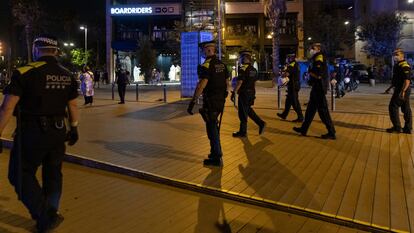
x,y
273,10
27,13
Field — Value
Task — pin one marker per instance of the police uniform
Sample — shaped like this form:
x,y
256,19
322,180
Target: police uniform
x,y
44,88
317,101
401,73
214,96
292,99
246,97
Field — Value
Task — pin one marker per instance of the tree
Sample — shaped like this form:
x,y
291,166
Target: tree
x,y
78,57
146,57
331,31
381,33
27,13
274,9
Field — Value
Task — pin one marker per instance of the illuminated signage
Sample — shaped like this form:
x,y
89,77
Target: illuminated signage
x,y
153,9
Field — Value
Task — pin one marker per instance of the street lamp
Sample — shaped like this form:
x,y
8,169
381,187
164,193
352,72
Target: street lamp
x,y
346,22
410,1
86,41
68,44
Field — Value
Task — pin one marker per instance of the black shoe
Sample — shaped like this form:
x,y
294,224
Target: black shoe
x,y
218,162
329,136
299,130
45,225
262,128
239,135
393,130
299,120
281,116
406,130
121,102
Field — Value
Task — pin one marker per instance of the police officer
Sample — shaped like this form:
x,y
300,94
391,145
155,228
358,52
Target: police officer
x,y
245,88
40,92
213,84
319,81
401,81
292,71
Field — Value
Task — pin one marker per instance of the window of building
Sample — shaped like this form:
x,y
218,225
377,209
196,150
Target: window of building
x,y
241,26
408,30
288,25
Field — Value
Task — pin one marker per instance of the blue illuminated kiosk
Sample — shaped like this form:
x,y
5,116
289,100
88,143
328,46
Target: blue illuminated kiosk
x,y
190,59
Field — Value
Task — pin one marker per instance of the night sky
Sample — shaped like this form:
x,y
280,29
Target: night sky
x,y
61,18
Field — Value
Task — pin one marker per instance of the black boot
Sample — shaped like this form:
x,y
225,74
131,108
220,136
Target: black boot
x,y
299,130
262,128
281,116
239,135
329,136
218,162
393,130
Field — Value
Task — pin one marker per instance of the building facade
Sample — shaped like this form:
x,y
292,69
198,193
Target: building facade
x,y
245,25
366,8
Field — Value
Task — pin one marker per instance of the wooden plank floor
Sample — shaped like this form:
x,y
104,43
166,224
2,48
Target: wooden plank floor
x,y
365,176
102,202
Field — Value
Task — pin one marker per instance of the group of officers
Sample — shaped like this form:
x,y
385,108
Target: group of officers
x,y
214,85
43,97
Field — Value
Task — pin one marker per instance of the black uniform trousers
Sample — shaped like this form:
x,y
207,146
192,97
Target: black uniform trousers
x,y
39,146
318,102
292,100
121,92
213,131
394,106
245,111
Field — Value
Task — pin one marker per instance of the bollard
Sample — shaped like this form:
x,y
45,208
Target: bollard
x,y
165,93
113,94
136,92
279,97
333,104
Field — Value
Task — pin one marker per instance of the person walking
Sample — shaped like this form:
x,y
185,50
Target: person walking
x,y
122,81
87,88
39,94
317,101
401,82
246,90
213,84
292,72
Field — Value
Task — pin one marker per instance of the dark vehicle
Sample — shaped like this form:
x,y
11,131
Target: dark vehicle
x,y
360,72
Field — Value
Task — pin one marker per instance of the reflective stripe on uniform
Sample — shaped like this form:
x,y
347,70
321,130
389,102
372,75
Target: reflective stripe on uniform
x,y
319,58
207,63
25,69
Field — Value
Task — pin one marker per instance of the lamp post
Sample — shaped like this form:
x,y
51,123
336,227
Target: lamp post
x,y
86,42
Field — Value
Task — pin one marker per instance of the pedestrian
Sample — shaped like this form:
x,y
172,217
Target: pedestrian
x,y
213,84
401,82
39,94
96,77
292,72
122,81
317,101
87,86
246,91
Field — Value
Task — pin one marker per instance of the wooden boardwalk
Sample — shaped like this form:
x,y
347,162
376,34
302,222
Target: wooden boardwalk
x,y
102,202
365,176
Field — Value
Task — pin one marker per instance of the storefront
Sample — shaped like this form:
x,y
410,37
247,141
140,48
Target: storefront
x,y
128,24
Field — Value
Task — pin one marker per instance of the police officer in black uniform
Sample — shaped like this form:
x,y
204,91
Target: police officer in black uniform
x,y
319,81
245,88
213,84
292,71
401,81
40,92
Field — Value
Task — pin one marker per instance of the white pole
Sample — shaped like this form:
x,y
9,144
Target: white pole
x,y
219,27
86,45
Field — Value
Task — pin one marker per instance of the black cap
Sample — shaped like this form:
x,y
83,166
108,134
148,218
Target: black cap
x,y
207,44
245,53
291,55
45,41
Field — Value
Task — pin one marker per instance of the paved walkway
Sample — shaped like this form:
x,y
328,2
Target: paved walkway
x,y
102,202
366,176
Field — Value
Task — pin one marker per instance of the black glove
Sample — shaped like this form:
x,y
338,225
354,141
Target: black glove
x,y
72,136
226,94
190,107
1,146
233,97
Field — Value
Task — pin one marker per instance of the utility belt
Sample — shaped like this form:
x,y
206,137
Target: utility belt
x,y
44,122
